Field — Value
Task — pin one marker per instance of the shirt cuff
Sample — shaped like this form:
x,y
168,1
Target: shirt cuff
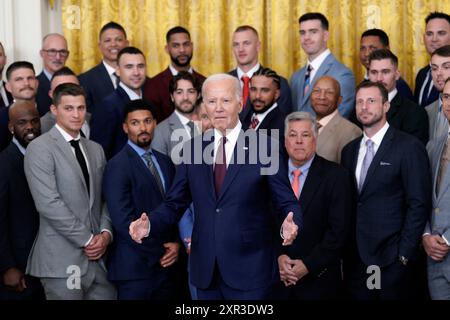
x,y
149,227
281,233
426,234
89,241
446,241
110,233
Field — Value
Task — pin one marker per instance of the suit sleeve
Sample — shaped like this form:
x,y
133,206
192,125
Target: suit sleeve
x,y
285,99
159,140
416,180
40,174
338,224
347,81
6,257
186,224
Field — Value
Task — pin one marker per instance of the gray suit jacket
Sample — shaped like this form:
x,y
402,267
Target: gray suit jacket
x,y
162,138
439,221
334,136
330,67
68,215
437,128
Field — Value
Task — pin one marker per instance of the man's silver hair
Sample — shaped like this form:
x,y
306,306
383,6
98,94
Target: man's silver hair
x,y
52,34
301,116
221,77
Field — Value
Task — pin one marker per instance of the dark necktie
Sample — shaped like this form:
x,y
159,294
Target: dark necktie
x,y
192,130
153,171
307,80
81,161
220,166
426,89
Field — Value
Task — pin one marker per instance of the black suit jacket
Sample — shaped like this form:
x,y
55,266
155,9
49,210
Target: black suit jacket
x,y
8,95
43,101
420,79
326,203
97,84
394,202
284,101
5,135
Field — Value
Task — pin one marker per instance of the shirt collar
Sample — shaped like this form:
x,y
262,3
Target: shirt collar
x,y
303,168
317,62
17,143
140,151
378,137
131,94
232,134
109,69
175,71
392,94
249,73
324,121
65,135
261,116
184,120
47,74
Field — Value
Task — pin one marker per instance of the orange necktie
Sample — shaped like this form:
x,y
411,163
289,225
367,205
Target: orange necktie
x,y
296,182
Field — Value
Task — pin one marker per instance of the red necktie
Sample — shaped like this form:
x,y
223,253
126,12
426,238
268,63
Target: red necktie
x,y
220,166
254,123
245,90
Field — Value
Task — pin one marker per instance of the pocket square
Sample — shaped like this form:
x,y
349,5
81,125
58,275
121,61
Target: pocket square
x,y
382,163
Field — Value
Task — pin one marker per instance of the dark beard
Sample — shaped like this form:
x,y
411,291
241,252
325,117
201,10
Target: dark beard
x,y
181,65
264,109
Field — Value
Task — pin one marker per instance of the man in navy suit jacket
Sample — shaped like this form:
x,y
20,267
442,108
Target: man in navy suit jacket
x,y
19,219
246,46
437,35
106,121
233,252
101,80
393,199
130,188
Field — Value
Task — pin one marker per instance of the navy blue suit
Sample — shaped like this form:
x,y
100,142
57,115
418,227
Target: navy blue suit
x,y
420,79
106,122
5,135
19,222
8,96
391,212
284,101
403,89
233,233
130,189
97,84
43,101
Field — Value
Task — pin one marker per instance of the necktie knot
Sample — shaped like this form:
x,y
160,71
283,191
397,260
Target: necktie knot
x,y
254,122
191,126
296,173
369,144
245,79
245,89
309,69
75,143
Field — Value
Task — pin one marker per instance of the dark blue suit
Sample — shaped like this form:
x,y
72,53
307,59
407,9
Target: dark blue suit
x,y
233,236
5,134
130,189
97,84
106,122
19,222
420,79
43,100
284,101
391,212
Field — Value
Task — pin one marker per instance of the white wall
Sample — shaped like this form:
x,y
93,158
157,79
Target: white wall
x,y
23,24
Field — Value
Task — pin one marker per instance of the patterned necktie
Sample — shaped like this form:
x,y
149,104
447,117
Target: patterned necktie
x,y
426,89
296,182
307,79
245,89
81,161
445,158
254,123
220,166
366,163
151,166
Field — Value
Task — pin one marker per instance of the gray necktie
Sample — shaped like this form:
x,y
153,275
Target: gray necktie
x,y
366,163
147,157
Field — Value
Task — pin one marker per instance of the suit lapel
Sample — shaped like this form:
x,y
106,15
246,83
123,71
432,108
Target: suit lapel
x,y
209,167
323,69
394,108
92,171
445,180
313,181
104,77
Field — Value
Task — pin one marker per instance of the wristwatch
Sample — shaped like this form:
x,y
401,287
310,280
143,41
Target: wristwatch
x,y
403,260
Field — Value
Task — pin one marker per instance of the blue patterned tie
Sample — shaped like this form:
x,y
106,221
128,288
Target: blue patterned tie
x,y
366,163
307,79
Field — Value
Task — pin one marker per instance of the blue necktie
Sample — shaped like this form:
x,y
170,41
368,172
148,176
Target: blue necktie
x,y
307,79
366,163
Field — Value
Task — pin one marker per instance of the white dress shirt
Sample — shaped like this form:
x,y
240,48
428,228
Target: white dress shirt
x,y
232,136
111,72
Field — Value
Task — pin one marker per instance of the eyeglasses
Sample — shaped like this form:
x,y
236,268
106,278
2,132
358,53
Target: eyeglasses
x,y
52,52
445,97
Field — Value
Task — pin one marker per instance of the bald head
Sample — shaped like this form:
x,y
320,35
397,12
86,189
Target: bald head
x,y
325,96
24,122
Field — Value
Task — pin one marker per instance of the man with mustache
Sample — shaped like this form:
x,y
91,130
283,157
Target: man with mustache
x,y
135,181
54,55
106,122
179,47
23,85
19,219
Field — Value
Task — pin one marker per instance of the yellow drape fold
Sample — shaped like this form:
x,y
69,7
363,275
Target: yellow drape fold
x,y
211,24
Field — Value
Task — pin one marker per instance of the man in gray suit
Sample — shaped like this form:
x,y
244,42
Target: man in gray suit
x,y
436,238
334,130
184,89
314,36
64,172
440,71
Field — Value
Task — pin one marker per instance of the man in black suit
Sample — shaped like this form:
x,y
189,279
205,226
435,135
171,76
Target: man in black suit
x,y
101,80
393,199
404,114
437,34
310,269
5,96
246,46
19,220
54,55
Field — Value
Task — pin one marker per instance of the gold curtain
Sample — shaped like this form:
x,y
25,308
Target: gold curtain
x,y
211,24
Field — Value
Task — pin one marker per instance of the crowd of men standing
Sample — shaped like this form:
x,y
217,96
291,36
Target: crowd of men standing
x,y
114,185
